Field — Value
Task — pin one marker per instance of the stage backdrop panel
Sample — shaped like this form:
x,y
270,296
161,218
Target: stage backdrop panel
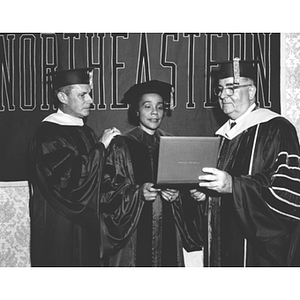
x,y
186,60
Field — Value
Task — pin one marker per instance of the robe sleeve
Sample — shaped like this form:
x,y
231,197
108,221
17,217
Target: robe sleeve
x,y
284,190
68,180
121,200
266,203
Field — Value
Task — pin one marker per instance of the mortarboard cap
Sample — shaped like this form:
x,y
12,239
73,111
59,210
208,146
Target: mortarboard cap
x,y
72,76
237,68
165,90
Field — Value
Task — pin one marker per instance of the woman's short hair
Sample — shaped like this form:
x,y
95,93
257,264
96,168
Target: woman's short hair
x,y
135,93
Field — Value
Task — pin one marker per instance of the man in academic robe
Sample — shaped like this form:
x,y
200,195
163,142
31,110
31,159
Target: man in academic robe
x,y
249,225
66,160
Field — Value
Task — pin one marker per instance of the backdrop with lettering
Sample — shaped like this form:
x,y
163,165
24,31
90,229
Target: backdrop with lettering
x,y
186,60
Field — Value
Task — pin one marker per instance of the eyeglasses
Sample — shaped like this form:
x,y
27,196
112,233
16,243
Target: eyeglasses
x,y
228,89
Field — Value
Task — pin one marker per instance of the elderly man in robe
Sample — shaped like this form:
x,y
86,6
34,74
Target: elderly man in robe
x,y
250,225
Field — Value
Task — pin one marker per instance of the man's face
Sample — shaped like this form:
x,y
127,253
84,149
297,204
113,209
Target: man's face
x,y
237,104
78,101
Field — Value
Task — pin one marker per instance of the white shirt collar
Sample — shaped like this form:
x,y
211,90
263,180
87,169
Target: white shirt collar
x,y
239,119
247,112
61,118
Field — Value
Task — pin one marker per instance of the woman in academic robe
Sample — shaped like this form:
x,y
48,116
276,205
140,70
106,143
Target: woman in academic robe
x,y
144,225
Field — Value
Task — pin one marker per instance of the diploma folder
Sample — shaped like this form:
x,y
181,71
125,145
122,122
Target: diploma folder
x,y
181,159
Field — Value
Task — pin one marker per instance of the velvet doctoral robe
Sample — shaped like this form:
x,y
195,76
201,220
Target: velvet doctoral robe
x,y
250,227
65,166
139,232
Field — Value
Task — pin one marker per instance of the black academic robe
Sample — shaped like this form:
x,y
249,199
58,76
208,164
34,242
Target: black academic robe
x,y
65,169
138,232
252,233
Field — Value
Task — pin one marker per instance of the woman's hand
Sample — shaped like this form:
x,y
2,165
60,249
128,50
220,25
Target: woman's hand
x,y
170,194
149,192
197,195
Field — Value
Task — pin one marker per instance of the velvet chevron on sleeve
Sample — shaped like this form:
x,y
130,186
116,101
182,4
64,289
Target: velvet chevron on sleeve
x,y
285,186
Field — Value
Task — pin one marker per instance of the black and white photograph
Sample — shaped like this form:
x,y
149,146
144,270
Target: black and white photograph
x,y
167,149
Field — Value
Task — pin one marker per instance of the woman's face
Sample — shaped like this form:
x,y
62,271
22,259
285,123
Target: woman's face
x,y
150,112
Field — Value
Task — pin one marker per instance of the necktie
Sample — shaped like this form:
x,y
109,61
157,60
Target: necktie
x,y
232,125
